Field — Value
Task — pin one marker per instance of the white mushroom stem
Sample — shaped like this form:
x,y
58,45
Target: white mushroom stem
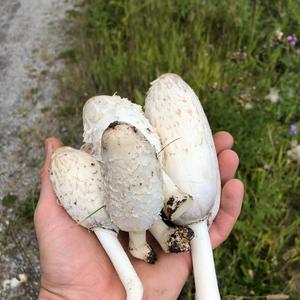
x,y
176,202
121,262
139,248
171,239
203,263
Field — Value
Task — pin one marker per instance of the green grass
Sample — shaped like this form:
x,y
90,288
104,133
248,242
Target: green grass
x,y
23,210
9,200
123,45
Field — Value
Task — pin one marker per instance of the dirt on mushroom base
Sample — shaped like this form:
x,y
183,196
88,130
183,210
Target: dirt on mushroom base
x,y
31,38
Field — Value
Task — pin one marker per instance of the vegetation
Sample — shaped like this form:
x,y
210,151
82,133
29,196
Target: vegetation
x,y
243,61
24,210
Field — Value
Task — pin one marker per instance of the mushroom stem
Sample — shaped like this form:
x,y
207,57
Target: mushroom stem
x,y
139,248
172,239
121,262
203,264
176,202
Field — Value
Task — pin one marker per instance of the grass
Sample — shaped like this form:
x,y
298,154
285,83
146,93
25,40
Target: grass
x,y
23,210
228,52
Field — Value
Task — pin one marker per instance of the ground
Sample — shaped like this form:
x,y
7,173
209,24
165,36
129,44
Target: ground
x,y
32,34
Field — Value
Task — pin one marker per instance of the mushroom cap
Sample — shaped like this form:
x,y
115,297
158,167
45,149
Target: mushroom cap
x,y
132,177
100,111
190,159
78,184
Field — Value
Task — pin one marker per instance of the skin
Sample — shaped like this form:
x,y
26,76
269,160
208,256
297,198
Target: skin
x,y
75,266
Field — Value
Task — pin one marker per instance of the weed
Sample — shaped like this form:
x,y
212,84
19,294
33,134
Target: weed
x,y
26,208
22,210
69,54
9,200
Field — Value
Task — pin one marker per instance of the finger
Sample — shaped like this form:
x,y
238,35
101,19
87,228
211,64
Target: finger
x,y
51,144
228,164
230,208
45,208
223,140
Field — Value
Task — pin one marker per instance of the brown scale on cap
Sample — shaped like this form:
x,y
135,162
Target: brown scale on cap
x,y
179,241
173,203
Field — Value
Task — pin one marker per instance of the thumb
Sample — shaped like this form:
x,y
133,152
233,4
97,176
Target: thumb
x,y
51,144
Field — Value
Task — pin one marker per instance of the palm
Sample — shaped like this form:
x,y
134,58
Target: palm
x,y
71,257
73,261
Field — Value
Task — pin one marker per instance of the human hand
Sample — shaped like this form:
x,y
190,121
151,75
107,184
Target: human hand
x,y
75,266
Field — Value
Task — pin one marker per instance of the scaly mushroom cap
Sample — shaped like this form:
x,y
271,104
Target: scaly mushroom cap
x,y
190,159
132,177
78,184
100,111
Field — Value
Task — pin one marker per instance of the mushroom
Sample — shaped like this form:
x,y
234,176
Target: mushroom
x,y
175,111
134,196
100,111
78,183
133,182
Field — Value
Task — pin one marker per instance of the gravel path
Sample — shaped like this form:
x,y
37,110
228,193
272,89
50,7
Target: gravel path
x,y
31,37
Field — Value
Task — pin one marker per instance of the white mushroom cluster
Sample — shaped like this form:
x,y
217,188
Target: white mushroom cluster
x,y
130,168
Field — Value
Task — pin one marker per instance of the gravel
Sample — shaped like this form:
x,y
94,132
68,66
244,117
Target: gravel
x,y
32,34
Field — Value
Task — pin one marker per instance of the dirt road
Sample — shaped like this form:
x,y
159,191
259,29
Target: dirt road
x,y
32,34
